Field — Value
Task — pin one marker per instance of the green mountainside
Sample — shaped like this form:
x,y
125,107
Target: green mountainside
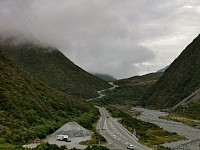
x,y
140,80
54,69
179,80
132,90
29,109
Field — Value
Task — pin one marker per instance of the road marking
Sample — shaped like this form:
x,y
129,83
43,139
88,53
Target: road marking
x,y
131,137
102,132
115,129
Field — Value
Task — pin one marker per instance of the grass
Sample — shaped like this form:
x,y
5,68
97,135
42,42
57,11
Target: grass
x,y
160,136
97,139
185,120
147,133
47,146
127,109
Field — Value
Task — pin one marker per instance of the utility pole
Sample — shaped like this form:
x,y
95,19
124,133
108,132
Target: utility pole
x,y
134,132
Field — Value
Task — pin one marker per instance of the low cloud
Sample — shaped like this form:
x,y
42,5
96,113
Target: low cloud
x,y
103,36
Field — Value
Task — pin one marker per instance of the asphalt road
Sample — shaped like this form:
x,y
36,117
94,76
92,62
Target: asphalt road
x,y
117,136
101,91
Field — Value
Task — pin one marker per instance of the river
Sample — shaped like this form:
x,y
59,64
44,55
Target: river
x,y
192,134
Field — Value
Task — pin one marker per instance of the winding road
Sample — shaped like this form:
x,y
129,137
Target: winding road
x,y
117,136
101,91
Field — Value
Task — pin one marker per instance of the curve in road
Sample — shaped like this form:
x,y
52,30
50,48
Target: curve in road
x,y
101,91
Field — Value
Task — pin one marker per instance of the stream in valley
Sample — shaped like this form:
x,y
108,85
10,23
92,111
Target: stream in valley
x,y
192,134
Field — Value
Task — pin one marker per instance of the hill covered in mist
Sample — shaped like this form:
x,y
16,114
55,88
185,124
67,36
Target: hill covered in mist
x,y
54,69
30,109
105,77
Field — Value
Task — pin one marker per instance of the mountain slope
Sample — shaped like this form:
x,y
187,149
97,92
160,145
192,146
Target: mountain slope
x,y
105,77
163,69
150,78
54,69
30,109
132,90
179,80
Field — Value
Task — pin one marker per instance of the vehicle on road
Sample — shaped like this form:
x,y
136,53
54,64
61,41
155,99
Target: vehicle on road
x,y
130,147
104,128
63,138
107,116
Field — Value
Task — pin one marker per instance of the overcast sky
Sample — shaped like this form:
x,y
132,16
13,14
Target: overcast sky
x,y
117,37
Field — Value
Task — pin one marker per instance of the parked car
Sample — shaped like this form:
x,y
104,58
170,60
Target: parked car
x,y
63,138
130,147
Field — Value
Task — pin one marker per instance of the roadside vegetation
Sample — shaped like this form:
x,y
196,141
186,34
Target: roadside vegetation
x,y
30,109
192,111
180,118
47,146
97,139
147,133
87,120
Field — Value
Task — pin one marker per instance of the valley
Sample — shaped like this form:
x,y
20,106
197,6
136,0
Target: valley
x,y
42,90
99,75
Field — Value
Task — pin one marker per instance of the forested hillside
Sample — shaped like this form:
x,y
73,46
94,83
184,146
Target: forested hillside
x,y
132,90
54,69
29,109
179,80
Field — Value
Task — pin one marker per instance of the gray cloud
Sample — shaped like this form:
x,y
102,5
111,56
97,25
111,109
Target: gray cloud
x,y
120,38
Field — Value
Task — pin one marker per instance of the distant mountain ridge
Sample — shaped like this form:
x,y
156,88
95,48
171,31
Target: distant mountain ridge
x,y
132,90
54,69
105,77
163,70
139,80
180,80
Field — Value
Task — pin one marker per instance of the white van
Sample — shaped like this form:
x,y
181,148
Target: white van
x,y
130,147
62,138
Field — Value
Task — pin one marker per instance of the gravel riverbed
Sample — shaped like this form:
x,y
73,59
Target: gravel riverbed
x,y
192,134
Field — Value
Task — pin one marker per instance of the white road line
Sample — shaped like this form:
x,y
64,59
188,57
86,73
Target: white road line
x,y
131,137
101,132
117,129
